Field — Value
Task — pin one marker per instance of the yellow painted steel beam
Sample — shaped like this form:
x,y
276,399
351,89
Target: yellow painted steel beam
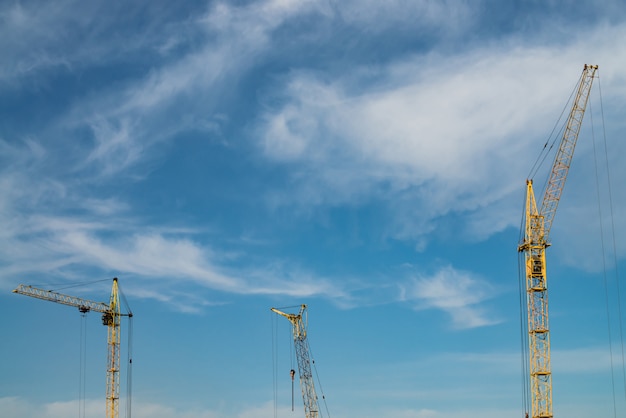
x,y
536,239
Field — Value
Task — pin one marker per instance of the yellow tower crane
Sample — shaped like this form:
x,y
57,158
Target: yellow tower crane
x,y
298,322
111,318
535,241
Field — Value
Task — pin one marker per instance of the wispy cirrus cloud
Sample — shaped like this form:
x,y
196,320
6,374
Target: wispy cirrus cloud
x,y
115,245
184,92
459,294
440,133
582,360
444,17
40,40
103,234
66,247
53,173
432,134
16,407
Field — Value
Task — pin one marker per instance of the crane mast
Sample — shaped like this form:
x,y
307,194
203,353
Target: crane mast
x,y
311,407
111,318
536,232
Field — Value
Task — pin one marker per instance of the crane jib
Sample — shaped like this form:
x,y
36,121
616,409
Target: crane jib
x,y
111,315
309,396
536,239
82,304
565,153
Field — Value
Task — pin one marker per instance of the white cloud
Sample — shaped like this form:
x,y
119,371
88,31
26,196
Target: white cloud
x,y
442,17
582,360
137,113
58,246
115,149
410,413
103,235
42,37
16,407
462,369
431,134
449,412
448,133
457,293
266,410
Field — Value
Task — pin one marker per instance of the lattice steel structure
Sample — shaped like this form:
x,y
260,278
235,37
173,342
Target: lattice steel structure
x,y
111,318
536,232
298,322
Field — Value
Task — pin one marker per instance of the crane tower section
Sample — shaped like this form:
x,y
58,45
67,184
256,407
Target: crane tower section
x,y
298,323
536,239
111,318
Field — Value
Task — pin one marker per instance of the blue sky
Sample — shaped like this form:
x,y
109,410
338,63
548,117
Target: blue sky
x,y
366,158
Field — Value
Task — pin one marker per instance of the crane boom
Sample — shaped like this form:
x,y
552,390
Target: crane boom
x,y
311,407
111,318
82,304
563,157
536,230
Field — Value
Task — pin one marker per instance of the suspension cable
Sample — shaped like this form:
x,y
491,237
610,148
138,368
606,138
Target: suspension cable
x,y
523,321
318,378
552,138
274,364
523,326
82,365
612,217
129,353
604,259
129,369
58,287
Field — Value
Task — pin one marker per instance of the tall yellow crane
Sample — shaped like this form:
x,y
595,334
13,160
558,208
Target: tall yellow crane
x,y
535,241
111,318
299,322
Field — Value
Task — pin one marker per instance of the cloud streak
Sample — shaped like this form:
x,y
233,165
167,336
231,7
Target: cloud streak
x,y
125,122
22,408
425,135
449,134
457,293
67,247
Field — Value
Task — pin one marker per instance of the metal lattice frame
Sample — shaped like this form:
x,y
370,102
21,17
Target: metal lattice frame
x,y
537,309
536,240
311,407
111,318
563,157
